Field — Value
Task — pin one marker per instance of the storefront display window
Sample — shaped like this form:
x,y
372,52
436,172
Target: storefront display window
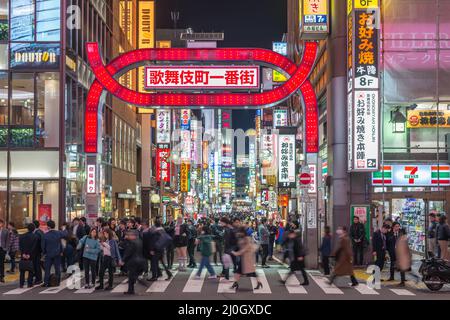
x,y
4,54
21,203
22,102
22,20
45,164
410,213
47,130
3,164
48,20
47,199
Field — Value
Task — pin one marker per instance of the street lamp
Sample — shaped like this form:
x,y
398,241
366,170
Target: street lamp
x,y
399,121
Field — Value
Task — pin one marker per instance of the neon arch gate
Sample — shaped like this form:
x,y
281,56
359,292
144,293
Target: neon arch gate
x,y
106,80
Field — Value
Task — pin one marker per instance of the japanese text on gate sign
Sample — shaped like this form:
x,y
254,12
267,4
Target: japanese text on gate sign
x,y
91,185
216,77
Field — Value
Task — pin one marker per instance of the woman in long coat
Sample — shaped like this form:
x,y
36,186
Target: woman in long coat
x,y
403,255
344,255
246,253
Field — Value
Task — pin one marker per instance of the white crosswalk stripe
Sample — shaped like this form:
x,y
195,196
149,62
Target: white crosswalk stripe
x,y
69,282
121,288
18,291
225,286
292,284
364,289
262,277
161,284
195,285
321,281
85,290
402,292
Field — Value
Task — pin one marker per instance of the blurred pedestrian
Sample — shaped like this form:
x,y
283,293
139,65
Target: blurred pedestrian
x,y
204,240
246,262
391,244
344,255
296,254
13,247
4,245
273,230
379,246
169,227
133,258
431,235
403,255
325,250
180,240
264,240
443,235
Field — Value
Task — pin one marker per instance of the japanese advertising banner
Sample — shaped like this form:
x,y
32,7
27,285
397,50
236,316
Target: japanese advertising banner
x,y
428,119
146,33
365,131
185,177
185,145
185,119
416,175
201,77
162,126
366,51
163,164
281,48
280,118
286,161
314,18
363,105
91,179
267,150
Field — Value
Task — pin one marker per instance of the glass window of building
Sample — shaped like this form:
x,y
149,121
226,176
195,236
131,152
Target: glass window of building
x,y
47,119
22,102
4,14
21,203
3,199
3,101
48,20
4,56
22,20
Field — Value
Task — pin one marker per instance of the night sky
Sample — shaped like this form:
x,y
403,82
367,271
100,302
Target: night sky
x,y
246,23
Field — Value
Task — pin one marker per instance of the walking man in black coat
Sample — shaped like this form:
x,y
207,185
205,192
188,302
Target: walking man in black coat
x,y
27,245
379,245
133,258
391,241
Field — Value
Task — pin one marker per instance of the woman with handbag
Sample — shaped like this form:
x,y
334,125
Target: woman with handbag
x,y
91,250
27,245
110,259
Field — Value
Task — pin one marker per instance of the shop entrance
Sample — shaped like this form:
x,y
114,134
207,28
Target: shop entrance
x,y
411,211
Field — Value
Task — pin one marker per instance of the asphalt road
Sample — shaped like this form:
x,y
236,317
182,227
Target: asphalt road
x,y
184,286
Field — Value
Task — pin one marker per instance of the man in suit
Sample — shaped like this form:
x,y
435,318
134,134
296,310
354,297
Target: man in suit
x,y
52,249
38,253
77,228
379,245
4,245
357,235
27,245
391,241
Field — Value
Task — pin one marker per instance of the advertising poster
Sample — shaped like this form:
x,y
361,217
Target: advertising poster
x,y
162,126
44,214
185,177
286,161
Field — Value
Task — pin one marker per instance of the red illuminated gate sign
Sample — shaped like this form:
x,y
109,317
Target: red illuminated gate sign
x,y
106,79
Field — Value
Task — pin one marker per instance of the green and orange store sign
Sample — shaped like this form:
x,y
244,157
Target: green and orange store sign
x,y
415,175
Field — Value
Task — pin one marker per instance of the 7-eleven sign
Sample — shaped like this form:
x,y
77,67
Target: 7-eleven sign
x,y
418,175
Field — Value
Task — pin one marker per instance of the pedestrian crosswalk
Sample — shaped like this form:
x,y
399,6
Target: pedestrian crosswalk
x,y
189,283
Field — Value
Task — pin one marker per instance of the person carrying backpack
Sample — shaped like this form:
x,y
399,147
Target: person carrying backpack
x,y
205,242
218,232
